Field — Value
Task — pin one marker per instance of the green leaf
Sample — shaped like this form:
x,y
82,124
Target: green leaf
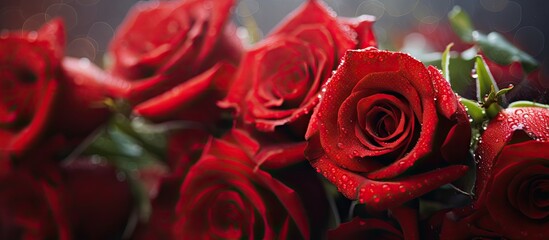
x,y
527,104
485,80
499,50
446,62
461,23
502,92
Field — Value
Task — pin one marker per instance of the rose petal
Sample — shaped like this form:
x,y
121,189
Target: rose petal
x,y
171,102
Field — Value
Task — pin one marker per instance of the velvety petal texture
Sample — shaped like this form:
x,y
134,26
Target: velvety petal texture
x,y
381,115
225,196
161,44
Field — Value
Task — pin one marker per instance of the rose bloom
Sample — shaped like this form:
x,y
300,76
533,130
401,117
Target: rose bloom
x,y
513,174
279,79
42,94
387,129
402,224
162,44
29,77
226,195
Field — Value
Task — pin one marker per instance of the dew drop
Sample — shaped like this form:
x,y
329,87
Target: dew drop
x,y
340,145
518,111
402,188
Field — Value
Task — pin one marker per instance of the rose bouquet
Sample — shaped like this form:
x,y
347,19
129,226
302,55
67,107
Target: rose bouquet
x,y
189,132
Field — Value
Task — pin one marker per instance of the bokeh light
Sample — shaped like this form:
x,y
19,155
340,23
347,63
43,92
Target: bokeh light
x,y
92,23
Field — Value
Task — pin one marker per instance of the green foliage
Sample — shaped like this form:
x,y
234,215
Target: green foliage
x,y
446,62
461,24
493,45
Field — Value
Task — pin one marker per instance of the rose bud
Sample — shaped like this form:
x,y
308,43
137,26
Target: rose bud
x,y
513,173
226,195
387,129
279,79
165,43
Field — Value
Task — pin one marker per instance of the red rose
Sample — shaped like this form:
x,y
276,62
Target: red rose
x,y
279,79
30,209
513,173
225,195
29,81
193,100
405,227
387,128
43,95
162,44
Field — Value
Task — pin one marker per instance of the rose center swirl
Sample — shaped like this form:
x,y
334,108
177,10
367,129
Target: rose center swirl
x,y
227,215
384,121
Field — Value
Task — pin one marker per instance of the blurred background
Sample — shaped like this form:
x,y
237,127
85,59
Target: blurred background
x,y
92,23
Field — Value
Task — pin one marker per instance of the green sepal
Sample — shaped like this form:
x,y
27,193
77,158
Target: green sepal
x,y
485,80
476,113
446,62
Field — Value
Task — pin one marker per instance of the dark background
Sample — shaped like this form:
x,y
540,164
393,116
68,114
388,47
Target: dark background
x,y
92,23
